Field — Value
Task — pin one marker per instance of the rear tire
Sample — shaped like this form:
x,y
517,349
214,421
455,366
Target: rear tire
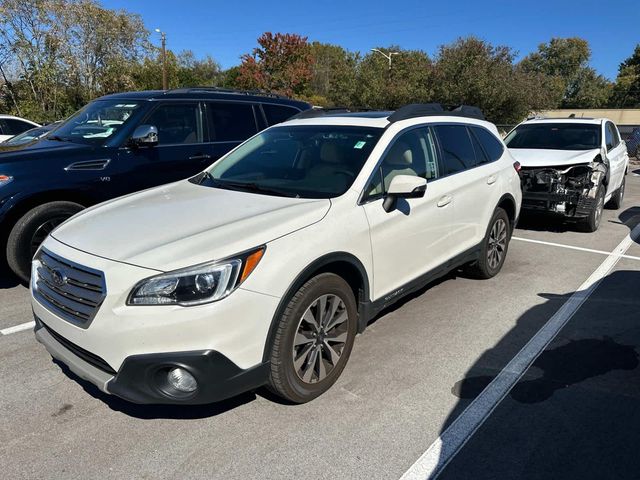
x,y
618,197
494,247
31,230
592,222
313,339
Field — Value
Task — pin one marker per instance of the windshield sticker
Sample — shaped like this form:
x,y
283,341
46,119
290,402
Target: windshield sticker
x,y
359,144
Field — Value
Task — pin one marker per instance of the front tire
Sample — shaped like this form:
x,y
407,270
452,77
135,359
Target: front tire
x,y
31,230
494,247
313,339
592,222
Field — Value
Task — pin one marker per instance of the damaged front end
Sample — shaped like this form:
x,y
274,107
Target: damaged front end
x,y
567,190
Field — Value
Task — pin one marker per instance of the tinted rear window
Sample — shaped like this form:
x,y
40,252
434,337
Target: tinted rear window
x,y
491,145
12,126
555,136
278,113
231,122
457,151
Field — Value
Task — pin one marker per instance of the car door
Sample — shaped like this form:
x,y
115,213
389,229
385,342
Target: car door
x,y
616,155
229,124
474,184
412,239
181,150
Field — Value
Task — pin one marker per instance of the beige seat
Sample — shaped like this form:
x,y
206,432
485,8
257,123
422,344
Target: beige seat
x,y
330,168
398,161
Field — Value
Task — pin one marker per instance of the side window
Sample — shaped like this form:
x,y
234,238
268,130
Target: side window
x,y
608,136
278,113
231,122
481,156
412,153
491,145
614,134
457,150
12,126
177,123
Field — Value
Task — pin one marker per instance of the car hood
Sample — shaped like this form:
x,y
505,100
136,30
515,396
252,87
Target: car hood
x,y
37,148
530,157
183,224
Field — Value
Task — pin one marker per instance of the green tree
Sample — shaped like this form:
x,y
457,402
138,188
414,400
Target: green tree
x,y
473,72
407,81
626,92
333,81
281,63
572,82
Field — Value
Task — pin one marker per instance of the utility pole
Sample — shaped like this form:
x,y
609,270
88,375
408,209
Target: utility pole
x,y
388,56
163,37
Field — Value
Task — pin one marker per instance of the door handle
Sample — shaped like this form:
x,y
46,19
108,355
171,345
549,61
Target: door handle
x,y
444,201
492,179
202,156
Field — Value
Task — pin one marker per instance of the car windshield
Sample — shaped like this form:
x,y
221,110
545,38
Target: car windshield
x,y
96,122
555,136
319,161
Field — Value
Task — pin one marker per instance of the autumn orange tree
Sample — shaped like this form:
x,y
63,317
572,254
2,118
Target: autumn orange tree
x,y
281,63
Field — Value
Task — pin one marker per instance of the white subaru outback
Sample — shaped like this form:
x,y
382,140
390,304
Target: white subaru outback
x,y
262,269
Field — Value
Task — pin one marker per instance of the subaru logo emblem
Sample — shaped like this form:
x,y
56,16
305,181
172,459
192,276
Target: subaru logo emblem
x,y
58,277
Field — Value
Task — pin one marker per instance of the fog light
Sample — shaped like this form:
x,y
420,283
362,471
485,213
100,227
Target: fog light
x,y
182,380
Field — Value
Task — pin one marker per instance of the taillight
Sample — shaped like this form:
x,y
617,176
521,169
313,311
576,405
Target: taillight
x,y
517,167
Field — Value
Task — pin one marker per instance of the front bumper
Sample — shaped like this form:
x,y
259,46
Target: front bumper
x,y
141,378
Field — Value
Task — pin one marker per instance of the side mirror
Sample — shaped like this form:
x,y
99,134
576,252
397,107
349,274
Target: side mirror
x,y
404,186
144,136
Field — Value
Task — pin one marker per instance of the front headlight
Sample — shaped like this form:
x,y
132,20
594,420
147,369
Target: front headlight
x,y
4,179
196,285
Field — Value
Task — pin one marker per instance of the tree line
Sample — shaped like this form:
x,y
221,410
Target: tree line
x,y
57,55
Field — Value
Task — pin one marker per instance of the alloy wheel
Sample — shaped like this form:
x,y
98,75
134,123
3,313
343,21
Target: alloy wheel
x,y
320,338
497,243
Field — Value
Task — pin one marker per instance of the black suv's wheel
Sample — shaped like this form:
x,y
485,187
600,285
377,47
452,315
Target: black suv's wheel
x,y
494,247
313,339
31,230
616,199
592,222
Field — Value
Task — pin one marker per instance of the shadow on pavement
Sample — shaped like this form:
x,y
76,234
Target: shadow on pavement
x,y
575,413
7,278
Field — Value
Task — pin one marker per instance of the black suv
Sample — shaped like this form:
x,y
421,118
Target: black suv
x,y
119,144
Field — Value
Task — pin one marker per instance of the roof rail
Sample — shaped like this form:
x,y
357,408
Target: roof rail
x,y
224,90
414,110
319,112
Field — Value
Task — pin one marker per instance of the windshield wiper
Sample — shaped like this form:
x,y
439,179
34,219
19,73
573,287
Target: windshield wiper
x,y
58,138
247,186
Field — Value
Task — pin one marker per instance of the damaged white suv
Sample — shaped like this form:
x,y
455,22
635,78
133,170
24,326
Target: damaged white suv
x,y
570,166
262,269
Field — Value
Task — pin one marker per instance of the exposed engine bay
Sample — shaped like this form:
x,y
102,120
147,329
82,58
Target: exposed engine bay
x,y
567,190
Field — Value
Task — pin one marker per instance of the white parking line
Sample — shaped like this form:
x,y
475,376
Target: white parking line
x,y
447,445
571,247
18,328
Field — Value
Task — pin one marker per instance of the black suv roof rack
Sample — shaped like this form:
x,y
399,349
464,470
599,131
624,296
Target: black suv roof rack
x,y
319,112
414,110
259,93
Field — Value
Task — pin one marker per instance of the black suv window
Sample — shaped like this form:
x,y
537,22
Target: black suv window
x,y
490,144
457,151
278,113
231,122
177,123
11,126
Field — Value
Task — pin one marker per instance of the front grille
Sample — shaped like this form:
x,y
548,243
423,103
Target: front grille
x,y
88,357
72,291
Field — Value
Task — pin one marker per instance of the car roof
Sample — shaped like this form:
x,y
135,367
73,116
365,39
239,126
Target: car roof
x,y
209,93
581,120
381,120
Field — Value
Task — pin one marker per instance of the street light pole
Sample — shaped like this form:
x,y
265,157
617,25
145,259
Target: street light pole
x,y
163,37
388,56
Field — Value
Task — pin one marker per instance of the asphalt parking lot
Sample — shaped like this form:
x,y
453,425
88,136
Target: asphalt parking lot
x,y
426,377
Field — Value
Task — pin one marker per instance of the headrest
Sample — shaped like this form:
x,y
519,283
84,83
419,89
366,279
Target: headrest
x,y
400,155
330,153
